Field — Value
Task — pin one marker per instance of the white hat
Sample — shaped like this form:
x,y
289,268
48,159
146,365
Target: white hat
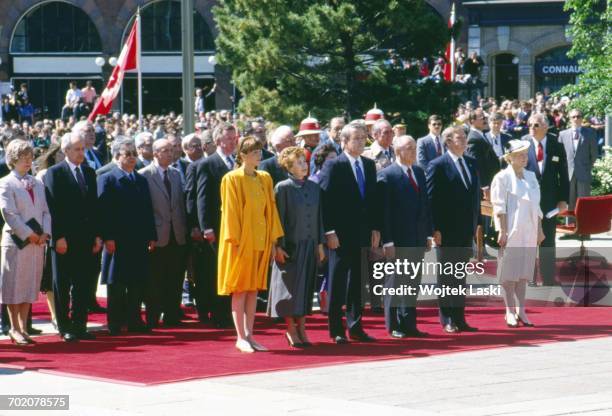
x,y
516,146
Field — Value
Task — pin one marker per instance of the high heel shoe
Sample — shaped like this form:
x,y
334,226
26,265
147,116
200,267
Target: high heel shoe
x,y
524,322
511,324
17,341
291,342
302,337
28,339
244,346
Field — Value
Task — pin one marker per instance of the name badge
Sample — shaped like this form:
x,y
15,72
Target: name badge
x,y
555,158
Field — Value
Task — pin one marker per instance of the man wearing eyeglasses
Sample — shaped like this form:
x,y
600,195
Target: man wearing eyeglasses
x,y
128,229
547,159
580,145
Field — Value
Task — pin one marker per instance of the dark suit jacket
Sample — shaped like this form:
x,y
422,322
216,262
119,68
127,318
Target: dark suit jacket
x,y
505,139
204,192
276,171
126,216
74,215
554,181
426,151
455,210
344,210
406,220
9,112
98,155
482,151
266,154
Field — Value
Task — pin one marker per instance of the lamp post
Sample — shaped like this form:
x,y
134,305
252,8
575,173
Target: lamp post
x,y
188,70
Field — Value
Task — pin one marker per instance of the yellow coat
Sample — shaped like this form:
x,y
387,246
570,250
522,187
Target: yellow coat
x,y
240,267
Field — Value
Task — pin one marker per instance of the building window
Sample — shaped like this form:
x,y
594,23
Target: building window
x,y
55,27
161,28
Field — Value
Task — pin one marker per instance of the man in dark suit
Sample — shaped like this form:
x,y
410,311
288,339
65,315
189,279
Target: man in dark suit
x,y
72,197
350,220
9,110
178,162
454,196
497,138
204,218
281,138
128,230
144,147
93,157
430,147
548,161
480,149
163,292
406,228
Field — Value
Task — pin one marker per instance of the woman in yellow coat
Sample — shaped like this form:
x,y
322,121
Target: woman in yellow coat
x,y
250,226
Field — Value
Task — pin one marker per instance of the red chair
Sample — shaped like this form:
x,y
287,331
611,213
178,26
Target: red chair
x,y
593,215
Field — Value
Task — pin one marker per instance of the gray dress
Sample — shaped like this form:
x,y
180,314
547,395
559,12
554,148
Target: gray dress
x,y
292,284
21,270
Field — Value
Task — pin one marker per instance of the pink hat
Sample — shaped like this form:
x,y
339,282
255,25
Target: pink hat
x,y
309,125
373,115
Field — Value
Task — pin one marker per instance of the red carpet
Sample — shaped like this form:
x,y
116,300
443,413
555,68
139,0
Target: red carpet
x,y
197,351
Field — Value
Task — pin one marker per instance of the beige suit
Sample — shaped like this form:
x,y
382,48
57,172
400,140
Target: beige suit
x,y
168,213
21,269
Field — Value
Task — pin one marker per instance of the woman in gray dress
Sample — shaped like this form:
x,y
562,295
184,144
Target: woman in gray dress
x,y
24,208
295,266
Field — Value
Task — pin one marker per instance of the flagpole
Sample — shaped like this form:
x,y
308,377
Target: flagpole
x,y
138,65
452,46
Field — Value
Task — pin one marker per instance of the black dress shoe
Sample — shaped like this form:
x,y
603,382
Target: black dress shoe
x,y
139,329
361,336
96,309
340,340
450,329
112,331
466,328
5,330
69,337
397,334
415,333
84,335
34,331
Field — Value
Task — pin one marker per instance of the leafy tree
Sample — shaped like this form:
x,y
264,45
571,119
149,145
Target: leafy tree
x,y
590,29
328,57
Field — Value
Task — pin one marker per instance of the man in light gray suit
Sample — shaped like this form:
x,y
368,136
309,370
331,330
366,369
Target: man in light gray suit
x,y
163,292
580,145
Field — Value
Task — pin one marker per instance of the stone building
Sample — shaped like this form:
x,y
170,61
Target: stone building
x,y
47,43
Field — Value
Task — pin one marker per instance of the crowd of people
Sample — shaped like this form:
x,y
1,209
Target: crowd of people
x,y
243,206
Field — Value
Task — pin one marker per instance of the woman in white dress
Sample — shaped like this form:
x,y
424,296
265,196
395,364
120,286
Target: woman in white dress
x,y
24,207
515,195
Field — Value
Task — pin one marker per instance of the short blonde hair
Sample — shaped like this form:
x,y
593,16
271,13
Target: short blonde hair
x,y
289,156
17,149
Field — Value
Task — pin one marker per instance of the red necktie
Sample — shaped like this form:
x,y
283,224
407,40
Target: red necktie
x,y
413,183
540,155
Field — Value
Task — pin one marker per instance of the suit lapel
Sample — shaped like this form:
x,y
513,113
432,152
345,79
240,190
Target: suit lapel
x,y
158,180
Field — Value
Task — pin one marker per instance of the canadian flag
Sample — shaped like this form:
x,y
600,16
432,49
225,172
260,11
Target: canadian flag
x,y
449,68
128,60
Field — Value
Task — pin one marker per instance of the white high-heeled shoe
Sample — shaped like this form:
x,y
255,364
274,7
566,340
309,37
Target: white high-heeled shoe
x,y
244,346
511,321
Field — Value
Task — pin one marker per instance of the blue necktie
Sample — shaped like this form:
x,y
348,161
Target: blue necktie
x,y
360,179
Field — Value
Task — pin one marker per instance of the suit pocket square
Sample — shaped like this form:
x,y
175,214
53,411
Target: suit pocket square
x,y
555,158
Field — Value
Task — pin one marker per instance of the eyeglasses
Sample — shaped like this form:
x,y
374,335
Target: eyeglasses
x,y
194,146
535,125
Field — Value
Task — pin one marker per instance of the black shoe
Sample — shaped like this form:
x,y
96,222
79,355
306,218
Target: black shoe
x,y
34,331
361,336
139,329
113,331
340,340
415,333
96,309
69,337
464,327
397,334
450,329
85,336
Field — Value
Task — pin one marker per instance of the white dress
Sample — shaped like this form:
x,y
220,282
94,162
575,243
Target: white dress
x,y
519,199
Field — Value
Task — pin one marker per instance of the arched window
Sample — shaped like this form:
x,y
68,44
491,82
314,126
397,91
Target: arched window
x,y
161,28
55,27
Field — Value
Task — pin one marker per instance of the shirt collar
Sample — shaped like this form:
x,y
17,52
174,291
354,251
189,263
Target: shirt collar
x,y
453,156
405,168
223,155
160,170
543,141
125,172
352,159
71,165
